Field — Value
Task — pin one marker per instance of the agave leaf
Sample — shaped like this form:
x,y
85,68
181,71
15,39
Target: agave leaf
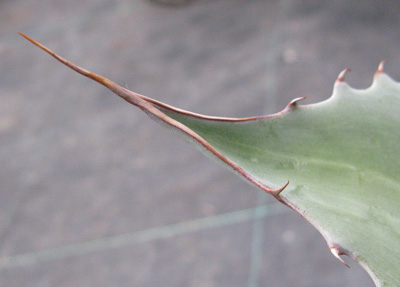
x,y
340,155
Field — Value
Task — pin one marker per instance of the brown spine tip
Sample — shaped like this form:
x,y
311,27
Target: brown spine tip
x,y
342,74
294,102
36,43
380,69
336,252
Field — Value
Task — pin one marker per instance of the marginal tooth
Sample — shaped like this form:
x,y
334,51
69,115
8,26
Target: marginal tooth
x,y
381,65
380,69
276,192
294,102
342,74
336,252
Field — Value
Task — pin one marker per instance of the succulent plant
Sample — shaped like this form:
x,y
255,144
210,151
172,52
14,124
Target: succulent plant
x,y
336,163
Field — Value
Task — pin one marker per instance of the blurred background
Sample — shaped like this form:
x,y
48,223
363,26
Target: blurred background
x,y
93,193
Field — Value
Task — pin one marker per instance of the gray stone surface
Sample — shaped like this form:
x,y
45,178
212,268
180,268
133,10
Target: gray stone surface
x,y
91,190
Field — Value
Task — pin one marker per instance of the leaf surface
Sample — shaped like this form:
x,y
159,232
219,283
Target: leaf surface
x,y
341,156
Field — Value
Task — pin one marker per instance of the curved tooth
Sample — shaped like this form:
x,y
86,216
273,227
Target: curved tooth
x,y
293,103
380,69
342,74
336,252
276,192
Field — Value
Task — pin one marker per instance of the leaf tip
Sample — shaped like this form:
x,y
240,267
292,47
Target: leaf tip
x,y
33,41
337,252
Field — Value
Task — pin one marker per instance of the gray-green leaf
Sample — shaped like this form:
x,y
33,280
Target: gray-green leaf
x,y
341,156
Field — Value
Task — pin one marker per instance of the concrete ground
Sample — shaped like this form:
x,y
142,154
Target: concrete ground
x,y
93,193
